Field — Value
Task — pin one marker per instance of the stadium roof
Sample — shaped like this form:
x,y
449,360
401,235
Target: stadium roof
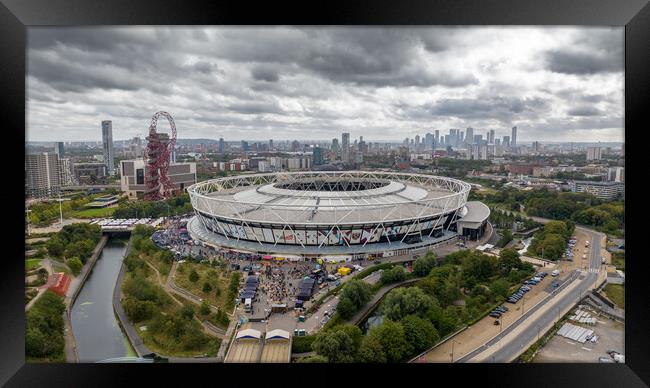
x,y
476,212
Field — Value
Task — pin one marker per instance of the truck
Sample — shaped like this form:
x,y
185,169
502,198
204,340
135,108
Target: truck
x,y
248,305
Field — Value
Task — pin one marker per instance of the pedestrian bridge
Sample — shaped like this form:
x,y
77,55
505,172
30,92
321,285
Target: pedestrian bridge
x,y
124,224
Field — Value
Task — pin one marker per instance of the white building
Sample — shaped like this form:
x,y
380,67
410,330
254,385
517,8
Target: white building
x,y
602,190
593,153
132,174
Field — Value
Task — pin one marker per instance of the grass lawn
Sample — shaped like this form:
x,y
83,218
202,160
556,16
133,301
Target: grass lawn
x,y
32,264
205,274
94,213
616,292
155,342
62,268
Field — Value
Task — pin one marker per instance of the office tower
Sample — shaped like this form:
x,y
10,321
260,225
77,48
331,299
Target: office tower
x,y
295,146
107,143
317,156
506,141
271,145
244,145
428,141
536,147
447,139
593,153
59,149
336,148
491,136
497,142
43,174
513,138
436,138
222,145
417,140
345,143
469,135
478,139
461,138
135,147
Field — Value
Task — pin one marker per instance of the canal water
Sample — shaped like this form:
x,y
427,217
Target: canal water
x,y
96,329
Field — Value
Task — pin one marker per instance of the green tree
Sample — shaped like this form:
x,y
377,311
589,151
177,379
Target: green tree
x,y
205,308
420,333
193,276
391,337
509,259
371,351
354,295
137,310
393,275
75,265
424,264
187,312
500,287
55,246
206,287
400,302
335,345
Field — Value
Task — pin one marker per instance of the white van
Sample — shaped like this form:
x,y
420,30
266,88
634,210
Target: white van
x,y
555,273
248,305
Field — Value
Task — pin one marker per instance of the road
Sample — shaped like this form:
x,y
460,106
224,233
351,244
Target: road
x,y
515,339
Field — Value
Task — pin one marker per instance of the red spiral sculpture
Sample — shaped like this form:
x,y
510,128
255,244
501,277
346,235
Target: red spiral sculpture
x,y
156,159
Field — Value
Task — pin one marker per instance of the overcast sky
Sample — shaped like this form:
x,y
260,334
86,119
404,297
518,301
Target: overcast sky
x,y
555,84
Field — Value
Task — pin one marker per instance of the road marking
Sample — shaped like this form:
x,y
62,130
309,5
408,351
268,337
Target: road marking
x,y
582,347
570,343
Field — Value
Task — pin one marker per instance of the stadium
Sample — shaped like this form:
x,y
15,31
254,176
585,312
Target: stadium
x,y
344,214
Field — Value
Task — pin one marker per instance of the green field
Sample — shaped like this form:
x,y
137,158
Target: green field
x,y
94,213
32,264
616,292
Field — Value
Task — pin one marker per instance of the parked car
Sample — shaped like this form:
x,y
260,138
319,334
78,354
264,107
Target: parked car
x,y
495,314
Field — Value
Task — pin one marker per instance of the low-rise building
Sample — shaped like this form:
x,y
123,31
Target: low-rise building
x,y
132,174
602,190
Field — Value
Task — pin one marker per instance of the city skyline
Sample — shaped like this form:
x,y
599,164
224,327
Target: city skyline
x,y
279,83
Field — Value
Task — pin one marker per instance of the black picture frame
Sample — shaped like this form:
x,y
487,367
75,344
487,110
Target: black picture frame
x,y
17,15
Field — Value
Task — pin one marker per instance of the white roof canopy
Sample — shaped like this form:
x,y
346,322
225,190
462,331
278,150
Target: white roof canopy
x,y
277,333
249,333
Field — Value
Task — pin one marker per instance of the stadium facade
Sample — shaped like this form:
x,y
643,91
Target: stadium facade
x,y
333,213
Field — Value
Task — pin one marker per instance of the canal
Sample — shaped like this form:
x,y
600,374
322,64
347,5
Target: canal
x,y
96,329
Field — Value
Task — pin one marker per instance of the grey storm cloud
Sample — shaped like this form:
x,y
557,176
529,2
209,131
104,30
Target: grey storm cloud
x,y
265,73
584,111
286,81
593,51
498,108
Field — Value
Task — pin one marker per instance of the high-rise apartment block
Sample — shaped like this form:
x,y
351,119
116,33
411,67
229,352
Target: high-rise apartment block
x,y
107,143
43,174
